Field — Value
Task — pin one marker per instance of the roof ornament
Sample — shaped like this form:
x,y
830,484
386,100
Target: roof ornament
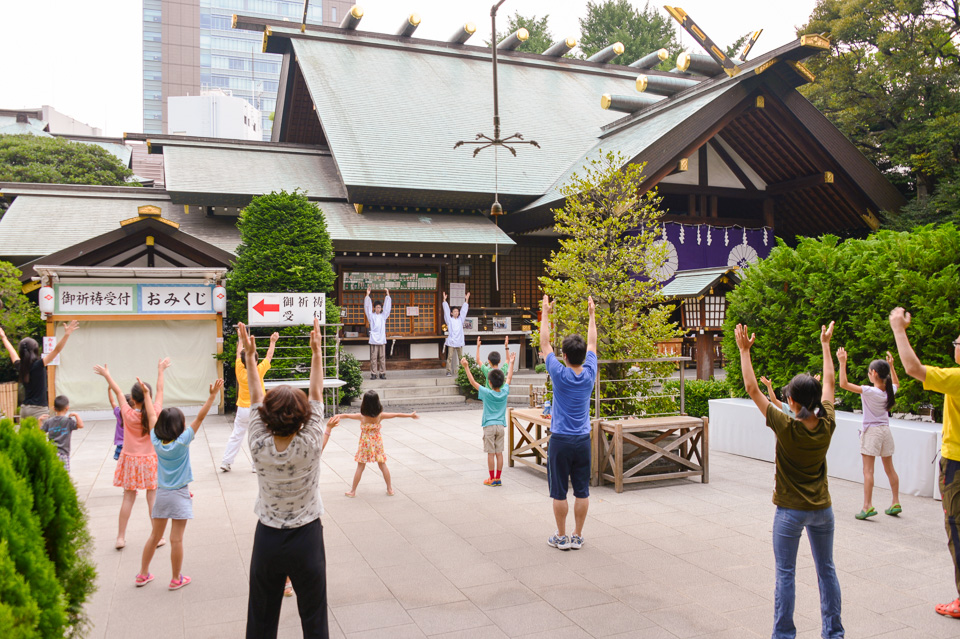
x,y
484,141
705,41
749,45
409,25
351,21
651,59
561,47
463,33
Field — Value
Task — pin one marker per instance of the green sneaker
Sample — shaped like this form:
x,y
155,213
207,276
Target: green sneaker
x,y
894,510
863,514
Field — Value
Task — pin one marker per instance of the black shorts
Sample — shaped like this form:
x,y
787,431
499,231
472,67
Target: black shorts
x,y
568,462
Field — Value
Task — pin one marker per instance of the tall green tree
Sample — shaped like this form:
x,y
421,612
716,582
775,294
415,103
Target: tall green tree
x,y
641,31
31,158
733,50
540,36
892,86
19,317
611,249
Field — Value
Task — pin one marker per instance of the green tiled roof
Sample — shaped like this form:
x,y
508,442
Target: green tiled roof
x,y
696,282
221,175
391,115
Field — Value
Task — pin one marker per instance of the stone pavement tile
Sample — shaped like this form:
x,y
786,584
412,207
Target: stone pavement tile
x,y
370,616
472,573
650,632
567,632
483,632
500,595
923,619
381,551
545,574
217,611
574,595
406,631
688,621
357,583
724,598
451,617
904,633
607,619
874,596
506,541
894,577
525,619
221,630
759,619
419,586
649,595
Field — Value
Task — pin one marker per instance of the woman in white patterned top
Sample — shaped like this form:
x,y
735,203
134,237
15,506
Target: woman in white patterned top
x,y
286,439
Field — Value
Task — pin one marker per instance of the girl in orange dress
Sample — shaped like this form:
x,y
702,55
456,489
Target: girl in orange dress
x,y
137,466
371,443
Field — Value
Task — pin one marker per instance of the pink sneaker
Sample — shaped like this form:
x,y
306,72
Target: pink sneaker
x,y
177,584
143,580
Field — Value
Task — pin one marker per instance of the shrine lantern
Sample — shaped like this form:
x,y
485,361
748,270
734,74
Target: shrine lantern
x,y
219,299
47,299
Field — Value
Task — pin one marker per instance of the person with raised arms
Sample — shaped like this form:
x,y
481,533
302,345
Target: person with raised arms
x,y
455,340
801,492
377,316
568,461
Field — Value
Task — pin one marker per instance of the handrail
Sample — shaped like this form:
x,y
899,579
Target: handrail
x,y
598,400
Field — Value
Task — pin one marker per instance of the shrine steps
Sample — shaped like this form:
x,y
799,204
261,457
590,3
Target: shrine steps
x,y
437,391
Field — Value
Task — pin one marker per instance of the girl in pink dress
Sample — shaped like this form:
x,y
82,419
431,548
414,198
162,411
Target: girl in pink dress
x,y
371,443
137,466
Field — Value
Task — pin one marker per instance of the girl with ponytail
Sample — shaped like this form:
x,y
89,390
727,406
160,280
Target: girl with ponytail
x,y
801,493
875,436
137,465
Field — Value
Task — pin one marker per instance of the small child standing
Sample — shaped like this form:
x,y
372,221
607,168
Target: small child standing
x,y
371,443
875,436
60,427
118,433
494,417
493,361
172,442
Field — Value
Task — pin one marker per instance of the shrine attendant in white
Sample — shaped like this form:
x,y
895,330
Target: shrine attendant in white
x,y
454,319
377,315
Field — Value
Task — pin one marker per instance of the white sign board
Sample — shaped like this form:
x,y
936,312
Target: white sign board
x,y
84,299
457,294
272,309
176,298
50,343
413,311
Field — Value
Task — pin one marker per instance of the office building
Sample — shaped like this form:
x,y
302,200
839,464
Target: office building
x,y
215,113
190,46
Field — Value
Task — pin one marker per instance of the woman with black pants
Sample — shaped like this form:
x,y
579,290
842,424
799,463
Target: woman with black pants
x,y
286,439
32,370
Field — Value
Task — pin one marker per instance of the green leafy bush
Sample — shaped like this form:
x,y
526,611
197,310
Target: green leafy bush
x,y
19,317
540,368
352,374
697,394
284,247
31,158
788,296
464,383
61,518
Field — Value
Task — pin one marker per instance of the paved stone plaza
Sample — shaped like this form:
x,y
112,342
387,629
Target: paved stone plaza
x,y
449,557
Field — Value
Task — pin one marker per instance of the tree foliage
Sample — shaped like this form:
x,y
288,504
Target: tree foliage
x,y
892,86
31,158
19,317
611,247
641,31
284,248
787,297
733,50
540,37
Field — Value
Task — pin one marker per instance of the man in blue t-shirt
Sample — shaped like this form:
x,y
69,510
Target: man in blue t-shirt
x,y
568,451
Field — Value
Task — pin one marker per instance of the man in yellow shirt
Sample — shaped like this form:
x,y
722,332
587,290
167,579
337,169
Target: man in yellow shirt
x,y
242,420
946,381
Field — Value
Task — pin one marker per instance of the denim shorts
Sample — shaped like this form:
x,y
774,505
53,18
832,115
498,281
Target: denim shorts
x,y
174,503
568,462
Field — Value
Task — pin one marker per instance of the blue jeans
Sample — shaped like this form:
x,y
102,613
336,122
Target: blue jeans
x,y
788,524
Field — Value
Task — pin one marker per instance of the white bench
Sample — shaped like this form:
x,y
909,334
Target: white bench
x,y
736,426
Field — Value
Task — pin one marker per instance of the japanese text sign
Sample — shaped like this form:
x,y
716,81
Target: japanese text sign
x,y
272,309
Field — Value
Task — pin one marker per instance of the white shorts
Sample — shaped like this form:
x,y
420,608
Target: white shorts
x,y
876,441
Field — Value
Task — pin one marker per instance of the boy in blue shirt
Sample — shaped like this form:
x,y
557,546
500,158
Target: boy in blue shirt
x,y
494,417
568,457
493,361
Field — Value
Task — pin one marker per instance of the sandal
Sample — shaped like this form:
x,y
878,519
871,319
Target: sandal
x,y
863,514
177,584
894,510
951,609
143,580
288,590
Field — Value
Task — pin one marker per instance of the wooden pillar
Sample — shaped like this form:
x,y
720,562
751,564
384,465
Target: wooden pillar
x,y
714,206
705,355
768,213
692,204
704,207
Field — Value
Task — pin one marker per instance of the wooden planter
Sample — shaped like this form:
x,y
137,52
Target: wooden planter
x,y
8,399
668,448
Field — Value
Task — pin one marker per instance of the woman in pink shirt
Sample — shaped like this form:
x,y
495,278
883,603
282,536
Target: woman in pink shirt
x,y
137,466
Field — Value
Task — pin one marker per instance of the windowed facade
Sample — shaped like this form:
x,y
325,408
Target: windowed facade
x,y
229,58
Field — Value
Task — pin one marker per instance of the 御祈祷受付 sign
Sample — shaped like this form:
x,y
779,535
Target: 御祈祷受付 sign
x,y
272,309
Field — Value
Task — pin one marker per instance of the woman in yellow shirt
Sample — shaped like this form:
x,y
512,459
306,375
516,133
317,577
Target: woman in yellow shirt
x,y
242,420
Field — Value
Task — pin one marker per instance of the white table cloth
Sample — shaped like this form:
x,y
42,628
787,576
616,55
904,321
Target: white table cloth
x,y
736,426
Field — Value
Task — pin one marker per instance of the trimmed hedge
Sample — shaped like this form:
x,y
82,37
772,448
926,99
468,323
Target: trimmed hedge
x,y
788,296
464,383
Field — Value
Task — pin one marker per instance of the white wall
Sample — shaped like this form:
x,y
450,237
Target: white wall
x,y
214,115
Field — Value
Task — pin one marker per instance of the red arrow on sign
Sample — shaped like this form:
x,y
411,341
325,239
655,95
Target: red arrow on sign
x,y
262,307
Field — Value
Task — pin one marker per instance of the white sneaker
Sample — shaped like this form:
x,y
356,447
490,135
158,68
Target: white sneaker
x,y
576,541
225,467
559,541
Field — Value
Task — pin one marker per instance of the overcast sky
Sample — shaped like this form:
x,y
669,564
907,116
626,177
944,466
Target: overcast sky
x,y
84,58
